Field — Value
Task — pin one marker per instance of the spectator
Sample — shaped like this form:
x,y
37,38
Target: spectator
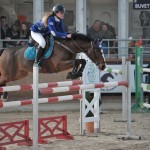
x,y
14,35
112,29
17,24
24,33
14,32
5,30
106,34
94,31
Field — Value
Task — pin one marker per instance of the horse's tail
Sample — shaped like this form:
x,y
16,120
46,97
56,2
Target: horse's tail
x,y
1,51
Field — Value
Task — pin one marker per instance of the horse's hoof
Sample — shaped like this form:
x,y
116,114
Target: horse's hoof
x,y
72,75
4,97
3,100
68,76
79,74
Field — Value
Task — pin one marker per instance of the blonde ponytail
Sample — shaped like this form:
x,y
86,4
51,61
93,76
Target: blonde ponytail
x,y
45,17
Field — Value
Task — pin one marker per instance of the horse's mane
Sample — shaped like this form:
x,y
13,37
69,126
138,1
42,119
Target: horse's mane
x,y
82,37
76,36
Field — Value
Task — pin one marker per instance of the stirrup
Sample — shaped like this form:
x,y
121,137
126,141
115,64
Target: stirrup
x,y
37,64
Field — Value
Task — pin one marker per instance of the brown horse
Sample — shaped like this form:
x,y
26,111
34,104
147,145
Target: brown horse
x,y
13,65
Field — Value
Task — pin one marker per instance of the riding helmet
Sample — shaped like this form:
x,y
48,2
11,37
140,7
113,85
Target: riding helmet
x,y
58,8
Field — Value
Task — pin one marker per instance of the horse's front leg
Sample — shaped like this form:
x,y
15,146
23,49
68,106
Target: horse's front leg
x,y
77,72
83,63
65,65
73,73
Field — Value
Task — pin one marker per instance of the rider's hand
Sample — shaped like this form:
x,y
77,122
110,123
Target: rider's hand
x,y
68,35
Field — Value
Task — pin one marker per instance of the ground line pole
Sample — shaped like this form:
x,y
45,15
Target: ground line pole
x,y
35,106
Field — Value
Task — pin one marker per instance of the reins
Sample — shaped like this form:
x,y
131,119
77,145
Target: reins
x,y
64,46
77,45
71,51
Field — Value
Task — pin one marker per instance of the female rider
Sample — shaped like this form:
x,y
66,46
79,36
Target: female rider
x,y
50,24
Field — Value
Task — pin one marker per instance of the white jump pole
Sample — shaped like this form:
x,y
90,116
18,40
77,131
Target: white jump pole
x,y
146,105
146,70
124,71
124,96
35,106
128,135
124,93
146,88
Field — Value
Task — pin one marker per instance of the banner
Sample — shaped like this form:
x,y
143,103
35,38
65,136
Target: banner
x,y
141,4
113,77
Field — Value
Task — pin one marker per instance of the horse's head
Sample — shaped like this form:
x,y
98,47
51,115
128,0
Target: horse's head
x,y
91,48
98,54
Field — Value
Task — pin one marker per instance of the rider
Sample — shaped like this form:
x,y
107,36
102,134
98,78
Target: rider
x,y
50,24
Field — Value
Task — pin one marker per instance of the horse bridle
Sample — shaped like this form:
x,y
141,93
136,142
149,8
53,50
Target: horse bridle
x,y
92,49
71,51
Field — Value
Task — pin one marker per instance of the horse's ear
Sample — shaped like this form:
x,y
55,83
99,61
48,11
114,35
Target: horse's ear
x,y
97,41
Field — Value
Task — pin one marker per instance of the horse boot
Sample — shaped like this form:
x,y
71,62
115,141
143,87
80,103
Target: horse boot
x,y
80,72
39,53
73,74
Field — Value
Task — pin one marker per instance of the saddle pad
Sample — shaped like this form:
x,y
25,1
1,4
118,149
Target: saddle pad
x,y
30,52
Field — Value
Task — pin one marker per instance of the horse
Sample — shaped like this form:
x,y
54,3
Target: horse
x,y
13,65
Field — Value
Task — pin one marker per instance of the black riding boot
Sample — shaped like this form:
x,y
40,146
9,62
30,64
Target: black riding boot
x,y
39,53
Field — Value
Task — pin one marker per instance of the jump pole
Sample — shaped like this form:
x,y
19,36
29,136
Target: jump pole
x,y
124,72
41,85
40,101
124,93
128,135
35,105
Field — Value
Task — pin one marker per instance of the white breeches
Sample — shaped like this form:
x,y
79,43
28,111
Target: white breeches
x,y
38,38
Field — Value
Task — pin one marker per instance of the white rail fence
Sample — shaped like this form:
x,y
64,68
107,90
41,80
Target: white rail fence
x,y
112,47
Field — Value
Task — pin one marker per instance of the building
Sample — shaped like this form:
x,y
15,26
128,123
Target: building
x,y
105,10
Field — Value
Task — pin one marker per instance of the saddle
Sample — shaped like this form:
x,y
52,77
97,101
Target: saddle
x,y
32,42
30,52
